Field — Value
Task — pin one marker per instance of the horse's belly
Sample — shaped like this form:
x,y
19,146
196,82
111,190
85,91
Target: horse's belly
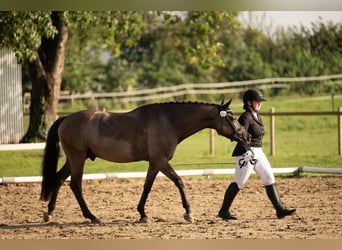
x,y
120,152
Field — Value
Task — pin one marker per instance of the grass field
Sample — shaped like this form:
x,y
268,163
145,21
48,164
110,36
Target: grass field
x,y
300,141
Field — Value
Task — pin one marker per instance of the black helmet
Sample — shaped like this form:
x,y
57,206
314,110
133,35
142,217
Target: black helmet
x,y
253,95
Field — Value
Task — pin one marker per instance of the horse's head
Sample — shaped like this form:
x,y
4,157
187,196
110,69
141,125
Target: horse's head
x,y
231,128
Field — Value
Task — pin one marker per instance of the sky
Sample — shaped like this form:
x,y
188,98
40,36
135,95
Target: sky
x,y
290,18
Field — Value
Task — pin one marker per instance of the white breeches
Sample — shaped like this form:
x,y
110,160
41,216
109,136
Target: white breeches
x,y
262,168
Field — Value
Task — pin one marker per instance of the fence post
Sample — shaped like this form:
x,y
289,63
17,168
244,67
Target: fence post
x,y
339,127
272,128
212,142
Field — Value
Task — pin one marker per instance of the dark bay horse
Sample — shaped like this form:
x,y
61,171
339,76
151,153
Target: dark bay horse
x,y
147,133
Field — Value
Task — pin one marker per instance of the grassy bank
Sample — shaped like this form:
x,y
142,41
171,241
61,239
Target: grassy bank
x,y
300,141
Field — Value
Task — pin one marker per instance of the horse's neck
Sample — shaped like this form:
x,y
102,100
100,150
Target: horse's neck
x,y
185,133
192,122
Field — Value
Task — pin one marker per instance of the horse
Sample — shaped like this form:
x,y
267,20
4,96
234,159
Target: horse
x,y
149,133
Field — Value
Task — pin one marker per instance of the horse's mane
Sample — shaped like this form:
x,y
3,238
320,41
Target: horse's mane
x,y
187,102
173,103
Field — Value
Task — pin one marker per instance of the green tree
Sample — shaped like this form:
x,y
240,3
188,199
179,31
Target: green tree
x,y
258,56
325,43
40,40
179,48
247,53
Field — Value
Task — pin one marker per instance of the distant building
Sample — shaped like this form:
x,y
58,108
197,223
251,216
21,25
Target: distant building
x,y
11,106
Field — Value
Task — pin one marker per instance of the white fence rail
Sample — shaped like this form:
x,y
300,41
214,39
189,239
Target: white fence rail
x,y
22,146
198,172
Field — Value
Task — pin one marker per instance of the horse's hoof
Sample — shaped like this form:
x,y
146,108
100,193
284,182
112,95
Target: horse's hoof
x,y
47,216
144,220
189,217
96,221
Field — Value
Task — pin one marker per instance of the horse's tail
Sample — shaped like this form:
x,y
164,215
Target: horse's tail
x,y
50,161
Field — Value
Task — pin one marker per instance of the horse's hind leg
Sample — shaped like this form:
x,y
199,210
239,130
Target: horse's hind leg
x,y
61,176
76,187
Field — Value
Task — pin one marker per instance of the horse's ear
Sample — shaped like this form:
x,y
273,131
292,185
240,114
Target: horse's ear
x,y
227,104
222,102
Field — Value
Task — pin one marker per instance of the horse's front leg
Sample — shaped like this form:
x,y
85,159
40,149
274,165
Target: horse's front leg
x,y
150,177
170,173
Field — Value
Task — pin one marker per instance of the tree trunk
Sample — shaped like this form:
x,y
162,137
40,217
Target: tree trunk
x,y
46,74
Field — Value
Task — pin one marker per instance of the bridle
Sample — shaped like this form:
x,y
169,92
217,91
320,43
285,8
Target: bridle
x,y
228,114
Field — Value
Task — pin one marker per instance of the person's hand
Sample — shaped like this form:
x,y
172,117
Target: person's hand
x,y
247,157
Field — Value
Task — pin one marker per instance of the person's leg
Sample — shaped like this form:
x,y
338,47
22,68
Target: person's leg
x,y
229,196
264,170
273,195
240,178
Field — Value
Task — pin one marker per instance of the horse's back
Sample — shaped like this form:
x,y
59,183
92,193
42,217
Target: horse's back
x,y
117,137
73,130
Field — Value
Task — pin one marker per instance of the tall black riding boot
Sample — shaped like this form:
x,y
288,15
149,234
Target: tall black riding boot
x,y
229,196
273,195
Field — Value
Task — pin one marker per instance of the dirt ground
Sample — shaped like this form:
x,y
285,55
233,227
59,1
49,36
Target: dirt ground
x,y
318,201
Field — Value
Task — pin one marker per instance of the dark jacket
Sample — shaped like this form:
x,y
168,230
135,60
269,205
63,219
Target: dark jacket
x,y
254,127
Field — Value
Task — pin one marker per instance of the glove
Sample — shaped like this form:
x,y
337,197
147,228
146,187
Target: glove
x,y
247,157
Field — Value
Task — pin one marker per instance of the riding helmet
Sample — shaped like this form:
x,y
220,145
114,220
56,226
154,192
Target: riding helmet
x,y
253,95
